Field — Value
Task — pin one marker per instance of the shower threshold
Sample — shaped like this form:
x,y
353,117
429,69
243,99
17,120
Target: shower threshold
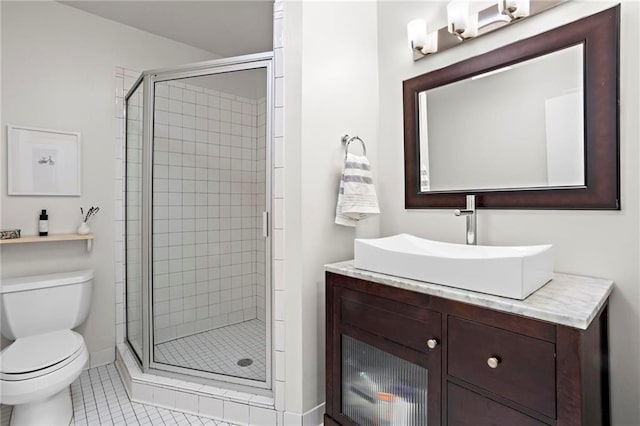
x,y
189,397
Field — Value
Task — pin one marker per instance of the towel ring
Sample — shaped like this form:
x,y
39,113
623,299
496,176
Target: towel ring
x,y
346,140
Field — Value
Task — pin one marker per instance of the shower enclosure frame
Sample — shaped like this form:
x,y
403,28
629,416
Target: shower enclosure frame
x,y
148,79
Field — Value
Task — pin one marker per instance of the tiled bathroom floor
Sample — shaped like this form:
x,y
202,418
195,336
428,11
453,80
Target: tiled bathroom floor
x,y
219,350
99,398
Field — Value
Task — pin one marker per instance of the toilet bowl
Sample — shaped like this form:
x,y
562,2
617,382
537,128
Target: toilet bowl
x,y
47,356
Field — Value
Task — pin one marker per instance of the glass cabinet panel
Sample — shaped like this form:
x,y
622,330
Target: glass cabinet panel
x,y
380,389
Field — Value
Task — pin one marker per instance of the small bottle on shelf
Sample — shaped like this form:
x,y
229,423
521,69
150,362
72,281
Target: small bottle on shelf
x,y
43,224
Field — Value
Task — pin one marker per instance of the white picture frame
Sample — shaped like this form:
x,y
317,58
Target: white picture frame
x,y
43,162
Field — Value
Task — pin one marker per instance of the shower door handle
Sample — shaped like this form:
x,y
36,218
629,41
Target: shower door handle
x,y
265,224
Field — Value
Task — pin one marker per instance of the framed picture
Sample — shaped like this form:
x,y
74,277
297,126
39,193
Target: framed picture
x,y
43,162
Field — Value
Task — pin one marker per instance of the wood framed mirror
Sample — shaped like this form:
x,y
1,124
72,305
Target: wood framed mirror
x,y
539,132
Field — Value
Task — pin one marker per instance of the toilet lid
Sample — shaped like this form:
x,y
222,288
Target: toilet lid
x,y
34,353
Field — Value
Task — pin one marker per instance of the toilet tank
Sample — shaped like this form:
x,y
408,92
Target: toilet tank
x,y
44,303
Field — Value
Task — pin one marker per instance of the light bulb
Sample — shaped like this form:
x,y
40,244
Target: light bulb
x,y
417,34
458,16
514,8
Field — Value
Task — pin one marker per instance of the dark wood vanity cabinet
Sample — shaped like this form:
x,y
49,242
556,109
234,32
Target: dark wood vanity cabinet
x,y
396,357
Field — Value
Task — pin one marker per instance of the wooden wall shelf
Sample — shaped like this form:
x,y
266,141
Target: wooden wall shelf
x,y
51,238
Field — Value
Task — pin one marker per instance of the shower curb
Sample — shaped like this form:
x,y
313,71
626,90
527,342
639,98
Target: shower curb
x,y
192,398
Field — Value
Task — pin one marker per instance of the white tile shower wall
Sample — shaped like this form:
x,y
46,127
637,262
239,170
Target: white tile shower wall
x,y
208,196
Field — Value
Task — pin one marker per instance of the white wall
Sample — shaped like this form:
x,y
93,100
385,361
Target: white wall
x,y
596,243
58,72
331,88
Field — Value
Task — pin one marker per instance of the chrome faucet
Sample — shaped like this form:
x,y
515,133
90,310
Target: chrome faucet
x,y
470,213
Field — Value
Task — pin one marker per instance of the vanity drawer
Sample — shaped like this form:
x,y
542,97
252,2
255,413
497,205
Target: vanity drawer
x,y
525,370
467,408
397,322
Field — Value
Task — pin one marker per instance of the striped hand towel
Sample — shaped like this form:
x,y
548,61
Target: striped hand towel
x,y
357,196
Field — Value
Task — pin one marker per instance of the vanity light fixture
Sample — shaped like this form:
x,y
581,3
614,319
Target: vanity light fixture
x,y
419,39
464,25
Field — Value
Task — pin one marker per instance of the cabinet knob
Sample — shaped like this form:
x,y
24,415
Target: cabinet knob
x,y
432,343
493,362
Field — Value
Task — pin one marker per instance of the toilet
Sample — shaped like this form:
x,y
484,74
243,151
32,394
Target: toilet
x,y
38,313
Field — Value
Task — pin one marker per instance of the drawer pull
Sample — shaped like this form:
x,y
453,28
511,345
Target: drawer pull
x,y
493,362
432,343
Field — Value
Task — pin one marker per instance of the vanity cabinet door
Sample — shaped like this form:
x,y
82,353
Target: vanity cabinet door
x,y
384,359
514,366
467,408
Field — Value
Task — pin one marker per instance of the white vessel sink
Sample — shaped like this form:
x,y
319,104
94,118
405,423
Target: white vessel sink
x,y
513,272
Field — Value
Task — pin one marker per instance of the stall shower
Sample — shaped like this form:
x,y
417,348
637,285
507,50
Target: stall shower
x,y
197,204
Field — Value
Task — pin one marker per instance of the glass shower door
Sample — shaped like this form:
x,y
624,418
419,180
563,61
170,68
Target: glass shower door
x,y
133,219
209,281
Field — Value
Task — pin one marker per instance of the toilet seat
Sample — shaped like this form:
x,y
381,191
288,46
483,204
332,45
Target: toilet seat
x,y
36,384
35,356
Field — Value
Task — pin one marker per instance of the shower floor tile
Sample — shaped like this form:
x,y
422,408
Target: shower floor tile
x,y
219,350
99,398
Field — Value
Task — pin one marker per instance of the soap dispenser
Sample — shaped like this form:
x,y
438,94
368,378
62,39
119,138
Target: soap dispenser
x,y
43,225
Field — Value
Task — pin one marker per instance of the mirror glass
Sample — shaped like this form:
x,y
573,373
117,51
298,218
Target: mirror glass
x,y
495,130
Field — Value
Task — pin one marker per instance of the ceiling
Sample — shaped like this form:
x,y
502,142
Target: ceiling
x,y
225,28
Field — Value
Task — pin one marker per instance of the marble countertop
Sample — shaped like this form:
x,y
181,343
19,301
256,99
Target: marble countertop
x,y
567,299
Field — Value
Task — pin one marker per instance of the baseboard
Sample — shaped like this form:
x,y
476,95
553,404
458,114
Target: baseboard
x,y
103,357
292,419
313,417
